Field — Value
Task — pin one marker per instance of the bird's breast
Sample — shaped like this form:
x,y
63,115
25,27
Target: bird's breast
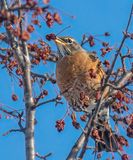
x,y
68,69
76,67
75,82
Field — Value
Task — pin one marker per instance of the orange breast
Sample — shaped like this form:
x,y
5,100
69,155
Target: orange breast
x,y
78,67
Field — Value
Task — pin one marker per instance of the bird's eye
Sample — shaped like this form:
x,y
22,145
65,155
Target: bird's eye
x,y
69,41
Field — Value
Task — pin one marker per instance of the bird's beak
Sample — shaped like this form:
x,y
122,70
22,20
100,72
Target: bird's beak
x,y
61,45
63,49
59,41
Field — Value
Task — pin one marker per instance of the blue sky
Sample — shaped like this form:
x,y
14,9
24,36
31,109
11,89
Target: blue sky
x,y
92,16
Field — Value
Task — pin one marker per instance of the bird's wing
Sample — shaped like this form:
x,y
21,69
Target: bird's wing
x,y
92,55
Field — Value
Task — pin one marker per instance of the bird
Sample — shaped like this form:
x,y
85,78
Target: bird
x,y
79,75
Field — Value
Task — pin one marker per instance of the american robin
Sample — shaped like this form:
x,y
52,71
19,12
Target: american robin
x,y
79,74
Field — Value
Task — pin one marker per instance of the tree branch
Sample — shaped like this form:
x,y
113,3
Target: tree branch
x,y
43,157
13,42
24,63
56,100
120,47
46,77
12,113
11,130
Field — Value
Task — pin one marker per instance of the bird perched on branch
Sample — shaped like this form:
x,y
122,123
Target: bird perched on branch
x,y
79,75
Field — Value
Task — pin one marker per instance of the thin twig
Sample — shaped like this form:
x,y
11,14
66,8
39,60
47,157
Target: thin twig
x,y
126,35
43,157
119,88
12,113
120,47
46,77
26,7
56,100
11,130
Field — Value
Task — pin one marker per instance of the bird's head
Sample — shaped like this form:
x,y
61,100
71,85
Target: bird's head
x,y
67,45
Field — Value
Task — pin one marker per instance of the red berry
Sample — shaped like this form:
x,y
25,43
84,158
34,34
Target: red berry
x,y
14,97
30,29
124,157
60,125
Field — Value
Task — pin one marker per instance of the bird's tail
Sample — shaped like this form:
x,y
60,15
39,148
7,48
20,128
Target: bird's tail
x,y
108,143
107,138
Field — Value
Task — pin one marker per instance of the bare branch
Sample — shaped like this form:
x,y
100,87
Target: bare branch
x,y
56,100
12,130
43,157
120,47
26,7
13,42
120,88
46,77
129,20
24,62
20,122
12,113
